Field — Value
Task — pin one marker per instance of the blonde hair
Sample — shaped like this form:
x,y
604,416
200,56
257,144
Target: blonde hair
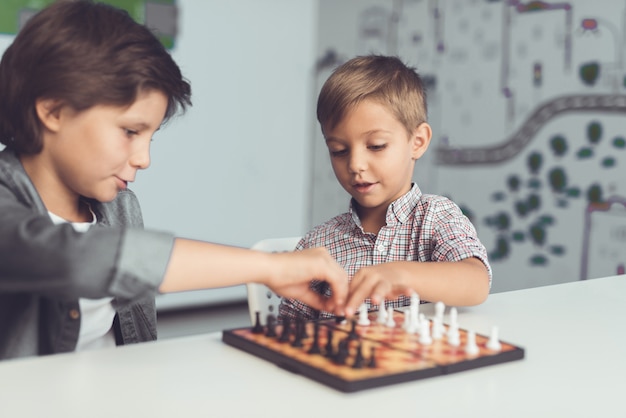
x,y
384,79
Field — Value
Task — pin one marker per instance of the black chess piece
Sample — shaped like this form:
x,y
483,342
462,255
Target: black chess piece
x,y
300,332
359,360
353,334
271,326
372,362
330,351
342,352
286,333
258,328
303,321
315,346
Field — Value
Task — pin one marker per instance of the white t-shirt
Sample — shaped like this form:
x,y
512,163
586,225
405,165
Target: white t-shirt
x,y
96,315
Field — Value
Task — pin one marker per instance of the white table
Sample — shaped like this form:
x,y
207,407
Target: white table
x,y
574,336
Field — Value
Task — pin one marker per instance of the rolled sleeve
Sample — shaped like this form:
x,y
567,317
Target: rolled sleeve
x,y
143,259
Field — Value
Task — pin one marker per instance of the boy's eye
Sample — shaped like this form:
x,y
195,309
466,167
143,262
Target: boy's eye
x,y
130,132
378,147
338,153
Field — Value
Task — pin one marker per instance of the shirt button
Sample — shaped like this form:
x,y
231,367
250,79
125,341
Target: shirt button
x,y
74,314
381,248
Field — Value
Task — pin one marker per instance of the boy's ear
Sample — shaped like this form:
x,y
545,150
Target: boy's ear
x,y
420,139
49,113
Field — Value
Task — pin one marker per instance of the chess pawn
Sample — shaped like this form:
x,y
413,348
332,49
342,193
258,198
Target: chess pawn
x,y
406,325
390,321
454,337
421,321
415,299
363,315
382,313
493,343
437,331
414,320
425,338
413,327
453,317
438,328
471,348
440,308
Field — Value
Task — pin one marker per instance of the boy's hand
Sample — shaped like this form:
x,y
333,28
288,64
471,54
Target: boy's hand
x,y
296,271
378,282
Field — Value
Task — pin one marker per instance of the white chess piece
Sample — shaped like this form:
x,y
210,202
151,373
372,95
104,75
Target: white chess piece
x,y
363,318
438,328
453,328
437,331
390,321
414,314
454,316
382,313
471,348
406,325
494,343
454,336
440,308
425,337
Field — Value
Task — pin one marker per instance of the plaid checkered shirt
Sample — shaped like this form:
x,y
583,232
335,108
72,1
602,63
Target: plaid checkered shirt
x,y
420,227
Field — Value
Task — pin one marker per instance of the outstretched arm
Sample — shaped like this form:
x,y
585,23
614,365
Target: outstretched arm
x,y
457,283
200,265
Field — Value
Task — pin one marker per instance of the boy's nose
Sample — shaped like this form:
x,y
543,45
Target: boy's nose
x,y
140,158
357,162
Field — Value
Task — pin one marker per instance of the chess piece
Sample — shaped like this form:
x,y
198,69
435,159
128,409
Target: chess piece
x,y
453,335
359,360
438,328
315,346
300,333
258,328
382,313
285,334
363,315
271,326
390,321
493,343
372,361
471,348
425,338
330,352
342,352
353,335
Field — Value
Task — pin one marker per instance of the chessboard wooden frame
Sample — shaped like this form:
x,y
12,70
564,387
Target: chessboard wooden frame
x,y
244,339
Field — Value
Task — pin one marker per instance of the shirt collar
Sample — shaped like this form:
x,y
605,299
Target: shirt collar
x,y
398,211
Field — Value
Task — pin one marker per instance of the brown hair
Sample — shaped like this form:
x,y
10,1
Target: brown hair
x,y
83,54
384,79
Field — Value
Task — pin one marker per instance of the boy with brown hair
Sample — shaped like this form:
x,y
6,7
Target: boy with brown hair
x,y
83,88
394,240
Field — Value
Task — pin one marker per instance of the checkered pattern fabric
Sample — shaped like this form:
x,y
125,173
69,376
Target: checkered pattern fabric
x,y
420,227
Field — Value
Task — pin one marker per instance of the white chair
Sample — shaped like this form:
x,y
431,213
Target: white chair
x,y
260,298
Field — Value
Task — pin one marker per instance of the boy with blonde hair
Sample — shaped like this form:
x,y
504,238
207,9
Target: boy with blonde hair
x,y
394,240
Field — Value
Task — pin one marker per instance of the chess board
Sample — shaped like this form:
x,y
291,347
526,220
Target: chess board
x,y
374,355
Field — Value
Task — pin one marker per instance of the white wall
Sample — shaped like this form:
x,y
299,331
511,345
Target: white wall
x,y
234,168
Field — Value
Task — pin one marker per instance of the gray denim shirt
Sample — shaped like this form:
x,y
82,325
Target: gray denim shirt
x,y
46,268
